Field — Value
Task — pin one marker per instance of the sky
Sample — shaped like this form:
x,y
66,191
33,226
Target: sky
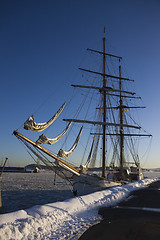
x,y
42,44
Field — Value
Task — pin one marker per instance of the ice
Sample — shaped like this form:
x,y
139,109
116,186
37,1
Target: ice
x,y
24,190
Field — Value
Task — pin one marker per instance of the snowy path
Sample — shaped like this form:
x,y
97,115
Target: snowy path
x,y
63,220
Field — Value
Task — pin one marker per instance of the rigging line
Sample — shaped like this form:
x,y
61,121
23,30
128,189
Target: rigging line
x,y
133,153
55,154
114,149
20,140
113,70
46,162
54,167
114,99
47,98
115,154
111,116
132,145
94,156
78,112
88,107
98,115
128,114
43,158
66,106
88,136
64,177
52,163
90,130
40,106
147,152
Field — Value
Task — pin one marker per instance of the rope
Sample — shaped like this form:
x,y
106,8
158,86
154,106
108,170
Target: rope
x,y
54,166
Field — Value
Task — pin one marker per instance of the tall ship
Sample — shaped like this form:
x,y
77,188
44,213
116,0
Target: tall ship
x,y
104,134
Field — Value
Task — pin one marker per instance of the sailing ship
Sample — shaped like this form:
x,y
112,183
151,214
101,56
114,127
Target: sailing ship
x,y
110,127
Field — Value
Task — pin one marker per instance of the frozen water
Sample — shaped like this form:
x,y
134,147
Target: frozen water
x,y
24,190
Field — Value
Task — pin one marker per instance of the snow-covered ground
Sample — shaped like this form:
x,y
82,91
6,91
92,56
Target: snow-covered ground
x,y
61,220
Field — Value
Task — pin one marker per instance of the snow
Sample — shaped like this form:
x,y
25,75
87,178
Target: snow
x,y
64,220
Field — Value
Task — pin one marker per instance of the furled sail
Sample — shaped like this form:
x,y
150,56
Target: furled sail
x,y
30,124
84,168
44,140
62,153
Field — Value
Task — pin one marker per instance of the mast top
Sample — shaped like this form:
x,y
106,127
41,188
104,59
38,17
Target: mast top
x,y
104,31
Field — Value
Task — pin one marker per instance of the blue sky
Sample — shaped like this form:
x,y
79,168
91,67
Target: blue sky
x,y
42,43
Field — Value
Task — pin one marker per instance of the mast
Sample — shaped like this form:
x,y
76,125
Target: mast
x,y
121,123
104,112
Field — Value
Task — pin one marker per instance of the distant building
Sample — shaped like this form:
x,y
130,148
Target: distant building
x,y
29,168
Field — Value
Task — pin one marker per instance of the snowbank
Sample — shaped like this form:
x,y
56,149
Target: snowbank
x,y
63,220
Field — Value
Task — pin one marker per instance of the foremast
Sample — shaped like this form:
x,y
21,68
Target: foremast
x,y
104,90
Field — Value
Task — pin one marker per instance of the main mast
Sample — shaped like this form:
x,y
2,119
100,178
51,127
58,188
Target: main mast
x,y
104,111
121,123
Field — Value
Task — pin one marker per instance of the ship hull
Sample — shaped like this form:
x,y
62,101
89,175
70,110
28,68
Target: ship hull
x,y
86,184
89,183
